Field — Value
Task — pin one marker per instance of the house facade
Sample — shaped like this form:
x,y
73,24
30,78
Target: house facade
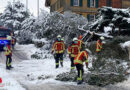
x,y
86,8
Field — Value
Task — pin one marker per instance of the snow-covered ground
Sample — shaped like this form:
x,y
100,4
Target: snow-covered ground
x,y
28,73
8,82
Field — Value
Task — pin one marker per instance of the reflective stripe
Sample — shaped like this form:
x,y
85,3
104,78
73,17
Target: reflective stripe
x,y
86,55
61,60
99,47
55,47
78,61
72,55
80,78
60,51
8,64
80,44
86,61
7,51
80,74
72,68
57,63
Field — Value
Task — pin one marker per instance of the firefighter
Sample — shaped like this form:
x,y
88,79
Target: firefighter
x,y
78,61
8,53
99,45
58,50
80,42
73,50
13,42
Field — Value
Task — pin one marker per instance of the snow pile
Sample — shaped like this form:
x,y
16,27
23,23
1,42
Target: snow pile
x,y
8,83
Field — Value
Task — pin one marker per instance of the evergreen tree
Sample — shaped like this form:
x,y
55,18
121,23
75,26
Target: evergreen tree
x,y
14,15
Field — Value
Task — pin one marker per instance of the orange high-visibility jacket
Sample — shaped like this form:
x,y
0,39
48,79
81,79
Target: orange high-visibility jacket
x,y
58,47
80,43
98,46
81,57
8,50
73,50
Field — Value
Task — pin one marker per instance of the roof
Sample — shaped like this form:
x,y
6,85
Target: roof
x,y
47,3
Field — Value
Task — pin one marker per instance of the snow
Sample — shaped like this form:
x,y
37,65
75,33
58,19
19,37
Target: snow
x,y
8,83
28,49
107,29
126,44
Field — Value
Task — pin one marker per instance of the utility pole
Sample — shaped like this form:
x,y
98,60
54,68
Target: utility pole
x,y
13,13
38,8
26,5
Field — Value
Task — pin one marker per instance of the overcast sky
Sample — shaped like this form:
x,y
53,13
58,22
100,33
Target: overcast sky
x,y
32,5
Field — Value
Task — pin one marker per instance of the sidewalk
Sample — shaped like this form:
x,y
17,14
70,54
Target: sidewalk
x,y
8,83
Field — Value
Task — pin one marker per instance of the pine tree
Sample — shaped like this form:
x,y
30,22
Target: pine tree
x,y
14,15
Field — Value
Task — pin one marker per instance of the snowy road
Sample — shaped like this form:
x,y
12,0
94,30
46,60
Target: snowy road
x,y
27,72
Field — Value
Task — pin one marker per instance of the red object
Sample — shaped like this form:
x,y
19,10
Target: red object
x,y
98,46
81,57
59,46
80,37
9,48
0,80
74,49
80,42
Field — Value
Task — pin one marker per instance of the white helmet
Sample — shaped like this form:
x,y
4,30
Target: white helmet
x,y
59,36
9,38
102,38
75,39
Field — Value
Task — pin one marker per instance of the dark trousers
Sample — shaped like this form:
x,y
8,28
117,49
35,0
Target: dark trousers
x,y
80,71
58,58
8,61
72,63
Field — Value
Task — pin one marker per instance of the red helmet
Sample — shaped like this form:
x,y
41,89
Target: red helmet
x,y
80,37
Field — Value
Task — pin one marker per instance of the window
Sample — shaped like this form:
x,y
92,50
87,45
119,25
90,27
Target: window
x,y
76,2
92,3
109,2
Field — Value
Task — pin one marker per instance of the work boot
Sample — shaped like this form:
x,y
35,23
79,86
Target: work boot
x,y
79,82
61,64
11,67
7,68
57,66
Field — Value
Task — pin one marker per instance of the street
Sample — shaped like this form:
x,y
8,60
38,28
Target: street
x,y
23,67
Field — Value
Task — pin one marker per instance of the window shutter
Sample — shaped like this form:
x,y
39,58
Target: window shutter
x,y
88,3
81,3
71,2
97,3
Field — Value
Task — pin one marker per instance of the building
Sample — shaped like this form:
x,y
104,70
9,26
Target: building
x,y
125,3
87,8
